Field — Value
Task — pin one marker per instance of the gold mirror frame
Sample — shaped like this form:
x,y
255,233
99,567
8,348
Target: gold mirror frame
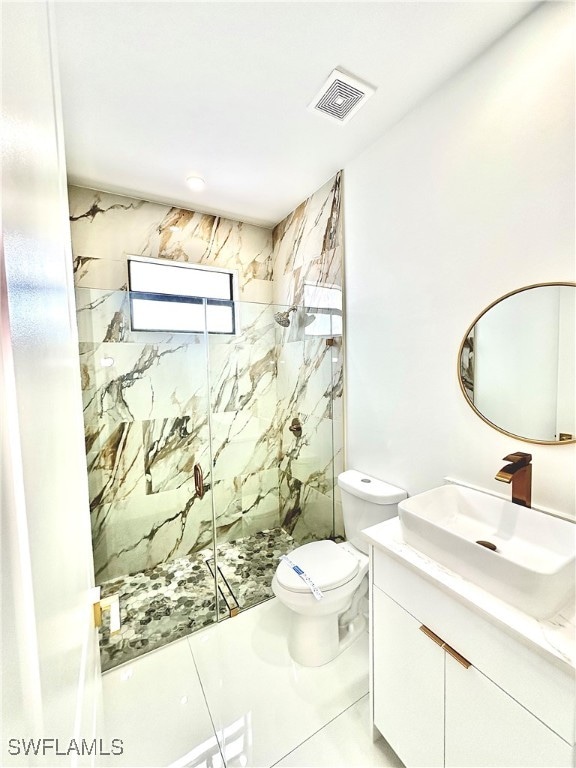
x,y
459,366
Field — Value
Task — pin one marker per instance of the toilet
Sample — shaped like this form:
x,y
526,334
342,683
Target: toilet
x,y
322,628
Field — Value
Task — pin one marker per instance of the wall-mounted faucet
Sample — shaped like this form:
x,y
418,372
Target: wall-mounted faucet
x,y
296,427
519,473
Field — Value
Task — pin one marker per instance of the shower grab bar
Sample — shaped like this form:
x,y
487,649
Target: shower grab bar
x,y
199,481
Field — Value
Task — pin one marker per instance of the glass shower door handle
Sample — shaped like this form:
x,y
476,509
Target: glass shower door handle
x,y
199,481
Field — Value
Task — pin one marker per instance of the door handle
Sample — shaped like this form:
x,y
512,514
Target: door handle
x,y
199,481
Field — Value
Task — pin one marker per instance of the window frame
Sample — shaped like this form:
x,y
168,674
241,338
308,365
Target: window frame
x,y
184,298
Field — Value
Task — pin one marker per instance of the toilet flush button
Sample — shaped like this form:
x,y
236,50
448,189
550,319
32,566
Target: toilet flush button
x,y
365,480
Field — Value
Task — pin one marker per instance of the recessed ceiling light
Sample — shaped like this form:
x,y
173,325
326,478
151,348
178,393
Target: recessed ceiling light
x,y
196,183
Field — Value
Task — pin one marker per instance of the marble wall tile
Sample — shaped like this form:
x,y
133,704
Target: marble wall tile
x,y
135,381
260,505
106,226
102,315
110,227
303,242
305,378
260,511
171,448
242,444
317,519
259,483
137,532
115,461
258,292
305,514
106,274
312,461
325,269
227,508
243,370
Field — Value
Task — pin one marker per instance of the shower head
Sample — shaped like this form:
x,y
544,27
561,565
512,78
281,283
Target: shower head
x,y
283,318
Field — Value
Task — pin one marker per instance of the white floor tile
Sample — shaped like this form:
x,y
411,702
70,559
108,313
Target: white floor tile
x,y
346,742
262,703
155,705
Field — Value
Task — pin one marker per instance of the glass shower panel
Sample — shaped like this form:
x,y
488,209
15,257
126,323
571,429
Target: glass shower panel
x,y
245,450
145,397
305,389
273,482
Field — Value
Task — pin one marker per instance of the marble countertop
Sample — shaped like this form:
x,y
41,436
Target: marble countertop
x,y
555,637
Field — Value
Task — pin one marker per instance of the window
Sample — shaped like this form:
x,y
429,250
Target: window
x,y
169,296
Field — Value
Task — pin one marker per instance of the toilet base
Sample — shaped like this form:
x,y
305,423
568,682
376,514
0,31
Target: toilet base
x,y
316,640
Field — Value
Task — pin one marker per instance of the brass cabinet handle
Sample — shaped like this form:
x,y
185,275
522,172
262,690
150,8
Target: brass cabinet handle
x,y
432,636
438,640
455,655
199,481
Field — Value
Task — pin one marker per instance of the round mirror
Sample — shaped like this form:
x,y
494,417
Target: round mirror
x,y
516,364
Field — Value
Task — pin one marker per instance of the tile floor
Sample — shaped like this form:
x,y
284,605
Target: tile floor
x,y
230,695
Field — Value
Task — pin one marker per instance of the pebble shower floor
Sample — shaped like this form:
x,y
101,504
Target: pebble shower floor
x,y
173,599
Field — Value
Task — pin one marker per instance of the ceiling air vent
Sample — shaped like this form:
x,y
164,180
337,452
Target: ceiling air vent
x,y
341,96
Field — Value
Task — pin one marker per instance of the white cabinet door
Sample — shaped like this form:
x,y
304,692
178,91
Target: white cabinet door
x,y
408,685
486,728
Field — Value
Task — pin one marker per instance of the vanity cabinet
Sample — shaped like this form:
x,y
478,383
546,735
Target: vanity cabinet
x,y
408,691
437,707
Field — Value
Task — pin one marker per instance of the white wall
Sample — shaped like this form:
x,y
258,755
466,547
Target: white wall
x,y
470,196
49,650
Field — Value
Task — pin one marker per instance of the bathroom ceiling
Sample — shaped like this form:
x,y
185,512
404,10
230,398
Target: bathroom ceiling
x,y
156,91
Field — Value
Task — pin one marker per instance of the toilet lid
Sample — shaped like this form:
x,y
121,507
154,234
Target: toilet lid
x,y
328,565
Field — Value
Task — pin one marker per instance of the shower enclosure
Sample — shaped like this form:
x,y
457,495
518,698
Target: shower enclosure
x,y
198,478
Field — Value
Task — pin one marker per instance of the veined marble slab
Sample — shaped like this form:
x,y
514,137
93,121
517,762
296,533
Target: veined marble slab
x,y
305,243
112,227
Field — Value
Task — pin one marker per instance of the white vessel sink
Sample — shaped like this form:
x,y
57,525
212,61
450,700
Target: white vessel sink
x,y
532,567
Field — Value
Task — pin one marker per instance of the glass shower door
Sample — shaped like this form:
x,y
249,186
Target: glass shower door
x,y
147,434
245,452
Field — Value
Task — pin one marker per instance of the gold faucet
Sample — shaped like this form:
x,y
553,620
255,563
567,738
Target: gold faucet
x,y
519,473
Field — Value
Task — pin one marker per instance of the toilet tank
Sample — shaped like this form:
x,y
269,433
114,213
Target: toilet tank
x,y
365,502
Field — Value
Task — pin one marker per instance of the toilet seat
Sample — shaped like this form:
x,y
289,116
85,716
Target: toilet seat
x,y
328,565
